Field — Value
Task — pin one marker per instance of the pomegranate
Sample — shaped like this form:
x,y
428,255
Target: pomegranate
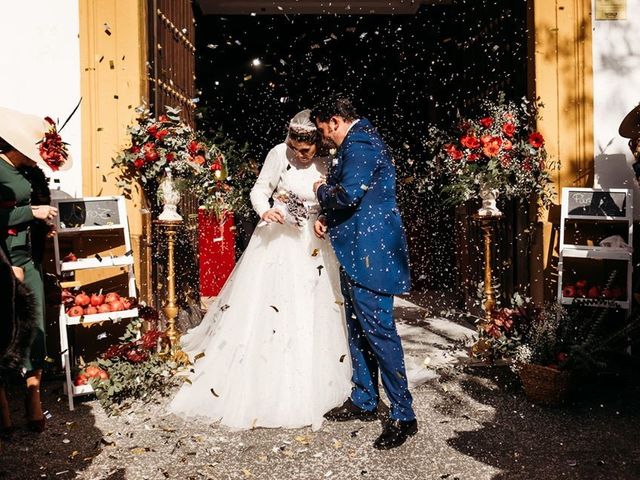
x,y
104,308
116,306
126,303
81,379
581,283
92,371
97,299
76,311
90,310
569,291
617,292
82,299
594,292
103,375
111,297
70,257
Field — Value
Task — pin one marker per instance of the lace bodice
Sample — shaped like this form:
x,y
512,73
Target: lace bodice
x,y
281,172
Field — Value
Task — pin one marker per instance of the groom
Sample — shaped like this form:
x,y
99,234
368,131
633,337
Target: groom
x,y
358,201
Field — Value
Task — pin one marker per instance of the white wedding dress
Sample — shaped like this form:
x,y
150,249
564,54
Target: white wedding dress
x,y
272,350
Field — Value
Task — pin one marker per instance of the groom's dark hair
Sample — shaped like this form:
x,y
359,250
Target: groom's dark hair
x,y
334,107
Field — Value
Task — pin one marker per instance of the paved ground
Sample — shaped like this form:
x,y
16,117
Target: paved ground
x,y
474,424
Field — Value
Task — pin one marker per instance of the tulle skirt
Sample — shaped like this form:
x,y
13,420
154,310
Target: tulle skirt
x,y
272,350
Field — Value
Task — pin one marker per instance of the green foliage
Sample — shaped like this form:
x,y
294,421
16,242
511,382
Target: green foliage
x,y
137,370
226,189
578,338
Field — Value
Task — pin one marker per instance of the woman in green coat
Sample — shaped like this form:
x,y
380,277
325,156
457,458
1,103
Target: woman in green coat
x,y
25,142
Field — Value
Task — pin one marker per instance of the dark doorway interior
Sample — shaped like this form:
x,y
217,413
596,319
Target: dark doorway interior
x,y
403,72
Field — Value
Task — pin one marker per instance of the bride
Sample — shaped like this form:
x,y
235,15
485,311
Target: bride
x,y
272,350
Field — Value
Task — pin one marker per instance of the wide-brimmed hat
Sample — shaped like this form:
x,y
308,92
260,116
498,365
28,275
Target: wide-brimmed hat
x,y
26,133
630,126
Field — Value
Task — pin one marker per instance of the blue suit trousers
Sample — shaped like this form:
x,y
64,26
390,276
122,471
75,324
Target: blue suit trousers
x,y
375,347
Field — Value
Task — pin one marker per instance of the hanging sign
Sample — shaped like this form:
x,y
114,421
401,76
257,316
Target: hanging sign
x,y
611,9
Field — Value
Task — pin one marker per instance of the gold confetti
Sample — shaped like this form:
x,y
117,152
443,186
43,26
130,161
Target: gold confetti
x,y
74,454
315,252
139,450
366,261
337,444
247,472
198,357
302,439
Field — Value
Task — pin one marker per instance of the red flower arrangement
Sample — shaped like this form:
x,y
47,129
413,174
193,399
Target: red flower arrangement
x,y
157,144
52,149
167,142
500,148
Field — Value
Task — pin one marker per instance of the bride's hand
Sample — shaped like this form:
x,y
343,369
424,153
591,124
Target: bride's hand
x,y
273,215
320,227
317,184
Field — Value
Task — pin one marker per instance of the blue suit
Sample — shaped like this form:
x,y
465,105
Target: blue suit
x,y
366,231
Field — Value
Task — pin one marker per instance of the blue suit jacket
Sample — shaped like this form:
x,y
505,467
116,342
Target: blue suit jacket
x,y
359,203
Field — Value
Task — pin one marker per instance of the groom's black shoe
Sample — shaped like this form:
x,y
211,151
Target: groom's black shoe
x,y
395,433
349,411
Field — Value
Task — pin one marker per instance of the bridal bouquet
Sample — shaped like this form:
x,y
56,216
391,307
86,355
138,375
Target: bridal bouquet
x,y
499,149
292,206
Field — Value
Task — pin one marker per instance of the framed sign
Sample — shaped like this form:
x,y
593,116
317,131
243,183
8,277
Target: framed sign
x,y
86,213
589,202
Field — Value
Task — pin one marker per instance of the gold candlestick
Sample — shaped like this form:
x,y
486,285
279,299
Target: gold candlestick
x,y
170,309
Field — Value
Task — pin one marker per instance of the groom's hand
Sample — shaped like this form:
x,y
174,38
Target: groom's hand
x,y
320,227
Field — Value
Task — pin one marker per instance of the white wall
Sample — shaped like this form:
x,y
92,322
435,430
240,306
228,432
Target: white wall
x,y
40,69
616,64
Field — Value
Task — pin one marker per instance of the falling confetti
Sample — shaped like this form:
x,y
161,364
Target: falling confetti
x,y
198,356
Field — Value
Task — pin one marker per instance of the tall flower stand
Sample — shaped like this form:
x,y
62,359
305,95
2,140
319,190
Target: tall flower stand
x,y
170,228
216,250
487,225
